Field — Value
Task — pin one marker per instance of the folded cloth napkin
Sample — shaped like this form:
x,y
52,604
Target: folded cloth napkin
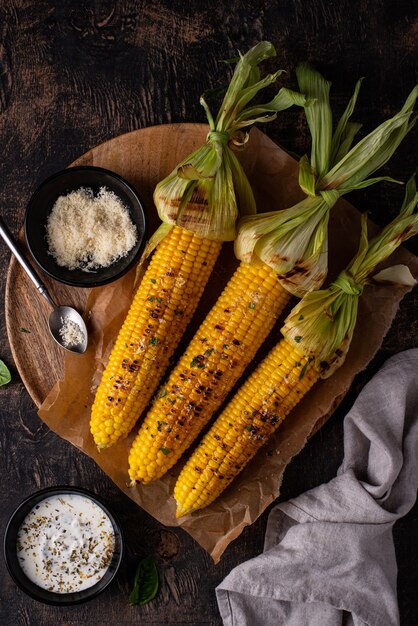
x,y
329,557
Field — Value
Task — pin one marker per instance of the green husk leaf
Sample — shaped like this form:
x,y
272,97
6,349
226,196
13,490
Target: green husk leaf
x,y
344,134
347,139
261,119
207,191
307,180
283,100
5,375
318,115
243,78
372,181
244,193
146,582
206,164
322,324
373,151
410,199
246,95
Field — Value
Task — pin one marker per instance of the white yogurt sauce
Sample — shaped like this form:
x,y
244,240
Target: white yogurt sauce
x,y
65,543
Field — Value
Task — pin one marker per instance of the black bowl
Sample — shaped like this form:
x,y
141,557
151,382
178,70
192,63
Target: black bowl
x,y
30,588
62,183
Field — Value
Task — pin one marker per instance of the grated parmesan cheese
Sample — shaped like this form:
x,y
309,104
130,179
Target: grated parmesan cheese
x,y
85,231
70,333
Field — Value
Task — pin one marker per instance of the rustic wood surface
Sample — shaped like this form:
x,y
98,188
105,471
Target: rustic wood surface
x,y
74,74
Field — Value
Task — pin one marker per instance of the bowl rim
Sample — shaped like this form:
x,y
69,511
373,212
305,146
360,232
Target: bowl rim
x,y
68,171
64,599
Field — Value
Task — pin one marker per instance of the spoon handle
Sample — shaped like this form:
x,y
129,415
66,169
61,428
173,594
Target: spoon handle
x,y
8,238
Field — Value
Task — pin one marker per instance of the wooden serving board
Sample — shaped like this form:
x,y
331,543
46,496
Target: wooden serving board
x,y
140,157
144,157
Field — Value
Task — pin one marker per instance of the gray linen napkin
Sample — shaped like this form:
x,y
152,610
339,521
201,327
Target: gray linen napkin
x,y
329,557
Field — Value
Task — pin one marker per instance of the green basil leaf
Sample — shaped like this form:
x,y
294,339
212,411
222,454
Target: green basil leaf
x,y
5,376
145,582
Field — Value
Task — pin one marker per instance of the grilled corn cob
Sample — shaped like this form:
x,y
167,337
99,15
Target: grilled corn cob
x,y
282,252
216,357
251,417
198,205
162,307
317,335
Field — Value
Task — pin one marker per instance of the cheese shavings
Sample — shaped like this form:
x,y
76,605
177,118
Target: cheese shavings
x,y
86,232
71,333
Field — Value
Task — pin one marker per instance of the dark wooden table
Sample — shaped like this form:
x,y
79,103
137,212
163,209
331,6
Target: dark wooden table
x,y
76,73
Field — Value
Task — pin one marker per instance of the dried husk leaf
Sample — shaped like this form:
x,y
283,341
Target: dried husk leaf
x,y
395,275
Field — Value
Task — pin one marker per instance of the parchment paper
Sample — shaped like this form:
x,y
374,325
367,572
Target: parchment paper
x,y
66,410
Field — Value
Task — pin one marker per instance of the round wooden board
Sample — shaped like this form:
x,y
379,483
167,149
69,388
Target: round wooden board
x,y
143,157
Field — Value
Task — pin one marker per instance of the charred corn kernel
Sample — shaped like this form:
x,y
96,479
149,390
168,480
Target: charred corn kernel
x,y
161,309
254,413
224,345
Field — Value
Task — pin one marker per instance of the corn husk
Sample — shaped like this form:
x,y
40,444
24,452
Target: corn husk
x,y
322,324
294,242
208,190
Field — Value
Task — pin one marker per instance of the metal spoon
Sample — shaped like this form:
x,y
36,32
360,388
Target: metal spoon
x,y
61,314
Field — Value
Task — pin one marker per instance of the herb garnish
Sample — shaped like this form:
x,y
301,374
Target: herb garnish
x,y
305,367
5,376
145,582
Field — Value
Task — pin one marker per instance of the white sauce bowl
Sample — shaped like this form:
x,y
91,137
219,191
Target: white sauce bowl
x,y
82,515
